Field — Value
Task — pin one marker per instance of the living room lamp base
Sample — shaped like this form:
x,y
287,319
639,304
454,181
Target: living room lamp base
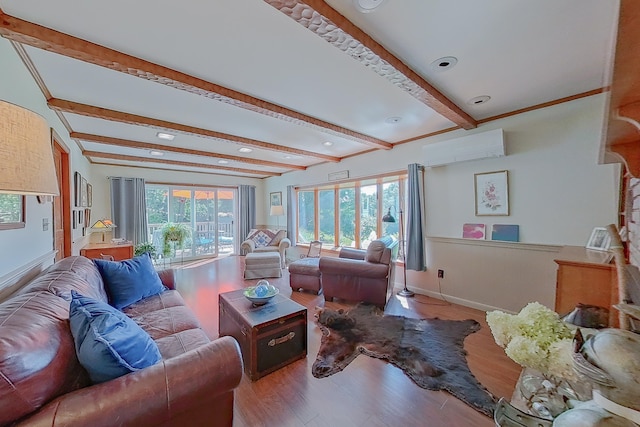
x,y
406,293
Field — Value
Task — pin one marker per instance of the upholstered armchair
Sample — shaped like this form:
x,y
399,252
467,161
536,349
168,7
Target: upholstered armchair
x,y
359,275
266,240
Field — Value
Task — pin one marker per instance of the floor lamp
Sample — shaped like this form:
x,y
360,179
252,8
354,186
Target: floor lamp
x,y
389,218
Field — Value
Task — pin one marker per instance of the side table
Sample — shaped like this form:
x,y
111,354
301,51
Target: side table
x,y
270,336
118,252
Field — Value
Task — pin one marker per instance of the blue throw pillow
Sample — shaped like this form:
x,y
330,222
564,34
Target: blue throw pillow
x,y
129,281
108,343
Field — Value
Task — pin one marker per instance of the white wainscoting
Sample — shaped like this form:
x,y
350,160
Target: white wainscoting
x,y
486,275
11,282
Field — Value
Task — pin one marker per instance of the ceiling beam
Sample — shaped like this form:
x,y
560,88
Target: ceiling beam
x,y
174,162
326,22
133,119
64,44
100,139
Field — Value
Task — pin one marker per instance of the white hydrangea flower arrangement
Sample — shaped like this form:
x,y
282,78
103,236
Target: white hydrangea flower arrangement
x,y
535,338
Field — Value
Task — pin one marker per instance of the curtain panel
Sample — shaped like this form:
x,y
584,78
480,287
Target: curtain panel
x,y
416,254
129,209
247,210
292,214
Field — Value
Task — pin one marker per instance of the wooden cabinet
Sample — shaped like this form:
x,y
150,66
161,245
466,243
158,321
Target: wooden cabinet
x,y
118,252
586,276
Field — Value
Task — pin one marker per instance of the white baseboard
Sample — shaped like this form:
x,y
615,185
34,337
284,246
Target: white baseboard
x,y
452,299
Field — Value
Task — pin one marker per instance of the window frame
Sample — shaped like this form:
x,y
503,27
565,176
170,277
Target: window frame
x,y
22,223
356,184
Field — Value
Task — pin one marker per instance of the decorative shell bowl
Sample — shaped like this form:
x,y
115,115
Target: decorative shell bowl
x,y
261,293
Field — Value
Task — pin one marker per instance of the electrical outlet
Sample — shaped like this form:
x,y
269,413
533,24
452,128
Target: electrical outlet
x,y
440,274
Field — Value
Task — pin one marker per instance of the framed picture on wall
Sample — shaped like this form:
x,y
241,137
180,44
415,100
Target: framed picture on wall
x,y
83,192
492,193
77,189
599,239
89,195
275,198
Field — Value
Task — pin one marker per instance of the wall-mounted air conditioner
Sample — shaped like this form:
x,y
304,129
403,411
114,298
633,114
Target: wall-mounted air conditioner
x,y
473,147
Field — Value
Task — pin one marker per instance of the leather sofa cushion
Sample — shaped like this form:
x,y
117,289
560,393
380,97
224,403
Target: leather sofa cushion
x,y
61,283
181,342
86,269
167,299
167,321
37,356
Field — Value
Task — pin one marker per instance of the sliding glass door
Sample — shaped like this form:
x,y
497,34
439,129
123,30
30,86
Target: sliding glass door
x,y
208,213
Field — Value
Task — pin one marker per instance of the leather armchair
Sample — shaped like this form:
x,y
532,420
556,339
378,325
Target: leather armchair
x,y
359,275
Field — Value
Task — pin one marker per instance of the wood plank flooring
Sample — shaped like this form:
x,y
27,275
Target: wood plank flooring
x,y
369,392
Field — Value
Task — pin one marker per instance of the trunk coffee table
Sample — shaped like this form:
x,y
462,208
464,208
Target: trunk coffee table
x,y
270,336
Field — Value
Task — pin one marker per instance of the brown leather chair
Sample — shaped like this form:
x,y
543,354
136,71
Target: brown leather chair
x,y
359,275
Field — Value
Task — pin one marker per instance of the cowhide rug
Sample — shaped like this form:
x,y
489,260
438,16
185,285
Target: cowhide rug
x,y
429,351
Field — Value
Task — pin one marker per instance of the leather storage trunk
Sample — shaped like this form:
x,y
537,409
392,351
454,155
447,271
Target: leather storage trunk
x,y
270,336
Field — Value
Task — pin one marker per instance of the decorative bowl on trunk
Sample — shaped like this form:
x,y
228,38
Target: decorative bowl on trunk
x,y
261,293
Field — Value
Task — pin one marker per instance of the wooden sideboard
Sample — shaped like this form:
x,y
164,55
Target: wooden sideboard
x,y
118,252
588,277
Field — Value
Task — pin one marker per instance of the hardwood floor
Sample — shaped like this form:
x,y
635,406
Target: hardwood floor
x,y
369,392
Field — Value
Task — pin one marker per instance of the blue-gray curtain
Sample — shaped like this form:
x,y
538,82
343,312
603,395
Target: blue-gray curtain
x,y
292,214
247,208
415,257
129,209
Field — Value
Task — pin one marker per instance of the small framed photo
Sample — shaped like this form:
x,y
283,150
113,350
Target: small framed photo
x,y
492,193
599,240
275,198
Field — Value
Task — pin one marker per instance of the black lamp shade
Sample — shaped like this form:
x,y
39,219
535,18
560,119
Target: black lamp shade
x,y
388,217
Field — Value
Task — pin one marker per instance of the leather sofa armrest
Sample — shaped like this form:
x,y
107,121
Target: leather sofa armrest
x,y
168,277
247,247
151,396
352,267
352,253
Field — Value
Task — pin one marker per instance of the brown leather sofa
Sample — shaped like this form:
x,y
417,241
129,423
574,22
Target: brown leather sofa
x,y
359,275
43,384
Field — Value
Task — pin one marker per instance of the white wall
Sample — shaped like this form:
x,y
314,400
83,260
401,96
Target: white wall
x,y
558,193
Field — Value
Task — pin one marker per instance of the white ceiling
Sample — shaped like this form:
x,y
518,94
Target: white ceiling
x,y
521,53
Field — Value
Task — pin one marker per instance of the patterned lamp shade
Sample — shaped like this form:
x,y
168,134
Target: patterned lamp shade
x,y
25,147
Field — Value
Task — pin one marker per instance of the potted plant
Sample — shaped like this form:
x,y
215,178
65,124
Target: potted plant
x,y
142,248
174,236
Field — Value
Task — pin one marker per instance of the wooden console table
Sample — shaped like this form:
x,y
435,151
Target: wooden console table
x,y
118,252
588,277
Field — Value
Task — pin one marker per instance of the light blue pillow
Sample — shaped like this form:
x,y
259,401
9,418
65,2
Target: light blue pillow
x,y
108,343
129,281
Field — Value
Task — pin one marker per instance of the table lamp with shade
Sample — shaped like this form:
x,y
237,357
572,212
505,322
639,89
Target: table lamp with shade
x,y
277,211
102,226
401,252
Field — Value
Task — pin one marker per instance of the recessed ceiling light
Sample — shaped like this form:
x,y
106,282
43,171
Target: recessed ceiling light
x,y
164,135
245,150
366,6
327,143
483,99
156,153
287,157
444,63
393,120
223,162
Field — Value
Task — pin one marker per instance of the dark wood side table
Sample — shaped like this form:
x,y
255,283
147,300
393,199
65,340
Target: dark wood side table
x,y
118,252
270,336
